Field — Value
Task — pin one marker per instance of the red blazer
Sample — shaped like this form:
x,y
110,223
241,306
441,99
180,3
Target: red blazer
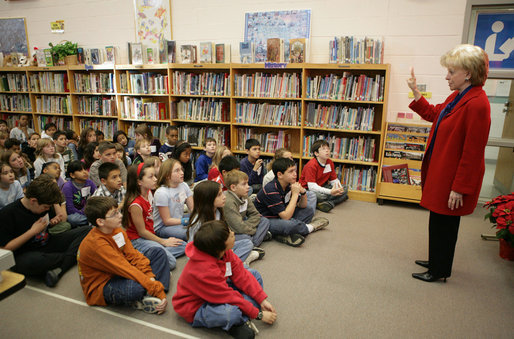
x,y
457,161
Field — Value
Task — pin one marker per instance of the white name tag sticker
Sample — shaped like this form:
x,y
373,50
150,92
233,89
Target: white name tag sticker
x,y
23,180
327,169
85,191
119,239
153,148
66,157
228,269
287,197
243,207
259,170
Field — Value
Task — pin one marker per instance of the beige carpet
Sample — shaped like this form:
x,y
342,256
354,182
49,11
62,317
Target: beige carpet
x,y
351,280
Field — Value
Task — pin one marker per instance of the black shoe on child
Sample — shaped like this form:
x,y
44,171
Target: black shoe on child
x,y
52,277
243,331
294,240
324,206
268,236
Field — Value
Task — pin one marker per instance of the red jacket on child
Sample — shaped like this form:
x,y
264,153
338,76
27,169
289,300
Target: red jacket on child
x,y
204,280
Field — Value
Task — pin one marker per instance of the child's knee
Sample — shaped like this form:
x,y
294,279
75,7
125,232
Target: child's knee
x,y
256,274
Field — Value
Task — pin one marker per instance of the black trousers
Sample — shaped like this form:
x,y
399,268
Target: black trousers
x,y
59,252
442,237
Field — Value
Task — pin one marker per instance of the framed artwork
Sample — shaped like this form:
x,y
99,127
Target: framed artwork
x,y
14,38
153,21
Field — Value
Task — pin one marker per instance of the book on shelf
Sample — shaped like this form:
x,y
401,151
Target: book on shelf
x,y
347,86
204,83
206,52
136,53
408,129
40,57
53,104
95,56
259,84
357,178
60,122
275,50
97,105
418,156
396,174
55,82
297,50
196,135
143,109
149,56
340,117
94,82
158,130
210,109
223,53
187,54
108,126
354,149
270,141
246,52
88,57
49,60
15,103
13,82
148,83
80,56
286,114
356,50
172,51
110,55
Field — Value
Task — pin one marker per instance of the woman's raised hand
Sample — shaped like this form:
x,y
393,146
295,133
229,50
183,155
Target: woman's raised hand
x,y
411,82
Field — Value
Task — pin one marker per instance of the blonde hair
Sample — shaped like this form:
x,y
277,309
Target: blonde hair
x,y
218,154
234,177
279,153
165,171
151,161
145,131
42,143
472,59
139,144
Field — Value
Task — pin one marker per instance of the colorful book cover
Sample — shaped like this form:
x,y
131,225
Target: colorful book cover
x,y
246,52
48,57
149,55
186,54
205,52
273,50
137,53
40,57
80,55
95,56
172,51
109,54
297,48
163,57
220,53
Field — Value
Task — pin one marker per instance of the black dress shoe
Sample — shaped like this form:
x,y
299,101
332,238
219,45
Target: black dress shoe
x,y
427,276
423,263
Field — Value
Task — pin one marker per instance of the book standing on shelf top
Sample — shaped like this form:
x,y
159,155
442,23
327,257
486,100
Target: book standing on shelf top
x,y
95,56
149,55
246,52
297,50
48,57
206,52
80,56
223,53
40,57
171,51
137,53
187,54
275,50
109,55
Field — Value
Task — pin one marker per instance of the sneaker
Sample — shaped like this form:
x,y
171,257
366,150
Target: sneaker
x,y
260,251
254,255
268,236
52,277
294,240
243,331
324,206
319,223
147,304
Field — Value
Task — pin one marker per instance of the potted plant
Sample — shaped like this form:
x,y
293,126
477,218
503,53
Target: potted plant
x,y
64,53
501,215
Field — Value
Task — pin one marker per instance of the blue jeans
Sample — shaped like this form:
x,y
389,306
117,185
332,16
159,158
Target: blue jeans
x,y
77,220
297,224
242,248
224,315
122,291
143,245
333,200
177,231
259,235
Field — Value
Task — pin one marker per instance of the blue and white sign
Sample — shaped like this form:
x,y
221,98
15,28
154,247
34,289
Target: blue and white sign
x,y
495,34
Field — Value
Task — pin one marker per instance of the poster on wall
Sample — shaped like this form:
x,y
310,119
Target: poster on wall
x,y
14,36
286,25
494,32
153,21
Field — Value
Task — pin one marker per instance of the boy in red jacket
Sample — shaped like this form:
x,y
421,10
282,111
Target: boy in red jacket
x,y
215,290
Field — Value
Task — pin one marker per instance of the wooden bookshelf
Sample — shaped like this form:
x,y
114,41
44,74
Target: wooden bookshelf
x,y
195,120
404,144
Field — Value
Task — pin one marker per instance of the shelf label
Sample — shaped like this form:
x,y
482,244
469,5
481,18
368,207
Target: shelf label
x,y
275,65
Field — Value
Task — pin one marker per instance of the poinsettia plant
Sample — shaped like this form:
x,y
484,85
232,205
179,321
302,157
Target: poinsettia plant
x,y
501,215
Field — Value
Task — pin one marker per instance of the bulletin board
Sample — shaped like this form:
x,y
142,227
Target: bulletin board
x,y
14,36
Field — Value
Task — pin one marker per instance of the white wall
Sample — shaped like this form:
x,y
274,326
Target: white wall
x,y
416,32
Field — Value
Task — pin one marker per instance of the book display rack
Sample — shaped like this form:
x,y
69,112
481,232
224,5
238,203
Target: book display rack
x,y
291,107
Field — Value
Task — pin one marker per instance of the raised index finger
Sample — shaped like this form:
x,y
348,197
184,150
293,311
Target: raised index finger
x,y
412,72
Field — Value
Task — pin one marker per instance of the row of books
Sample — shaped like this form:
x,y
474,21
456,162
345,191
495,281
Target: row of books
x,y
406,138
214,53
285,85
403,155
358,178
201,109
205,83
401,174
286,114
13,82
346,87
94,82
96,105
196,135
408,129
355,50
12,119
61,123
354,149
143,109
109,127
146,83
158,130
270,142
340,117
52,82
405,146
15,103
53,104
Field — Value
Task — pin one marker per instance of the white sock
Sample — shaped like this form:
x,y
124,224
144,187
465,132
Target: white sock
x,y
310,227
254,255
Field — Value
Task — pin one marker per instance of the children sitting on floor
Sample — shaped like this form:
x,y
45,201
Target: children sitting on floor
x,y
141,151
252,165
226,165
138,215
169,200
143,131
128,144
319,176
241,215
10,188
19,166
76,192
111,184
54,170
284,202
111,271
48,130
215,290
221,152
205,159
61,146
166,150
182,153
107,152
24,231
45,152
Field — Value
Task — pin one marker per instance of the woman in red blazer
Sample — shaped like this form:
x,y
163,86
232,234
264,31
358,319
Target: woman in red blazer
x,y
453,164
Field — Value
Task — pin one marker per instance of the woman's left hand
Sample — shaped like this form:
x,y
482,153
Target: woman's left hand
x,y
455,200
